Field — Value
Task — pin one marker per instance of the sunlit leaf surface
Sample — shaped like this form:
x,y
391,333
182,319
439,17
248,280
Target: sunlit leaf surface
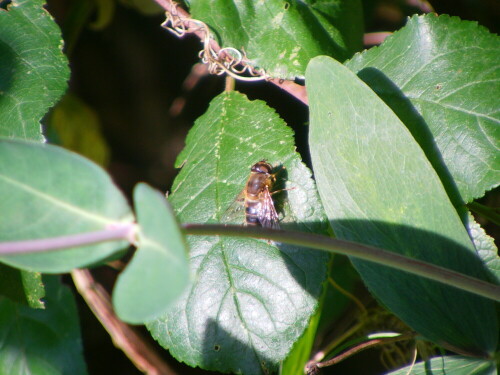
x,y
441,76
33,69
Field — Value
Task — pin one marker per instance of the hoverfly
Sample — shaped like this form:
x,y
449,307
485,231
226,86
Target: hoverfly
x,y
256,197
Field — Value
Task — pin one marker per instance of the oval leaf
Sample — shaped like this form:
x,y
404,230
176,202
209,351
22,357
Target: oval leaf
x,y
159,271
251,300
441,76
53,192
34,71
378,188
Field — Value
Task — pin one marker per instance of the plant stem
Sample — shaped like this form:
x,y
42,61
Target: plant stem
x,y
112,233
365,252
358,348
125,337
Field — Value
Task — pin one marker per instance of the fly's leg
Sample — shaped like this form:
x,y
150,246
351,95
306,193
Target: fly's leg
x,y
285,189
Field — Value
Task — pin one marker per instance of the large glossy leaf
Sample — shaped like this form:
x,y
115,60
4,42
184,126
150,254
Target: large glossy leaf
x,y
33,69
251,300
42,341
282,36
159,271
378,188
449,365
441,76
53,192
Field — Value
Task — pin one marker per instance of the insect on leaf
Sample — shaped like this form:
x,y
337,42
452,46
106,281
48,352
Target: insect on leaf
x,y
251,300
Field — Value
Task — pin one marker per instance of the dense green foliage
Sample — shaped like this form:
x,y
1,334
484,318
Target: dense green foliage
x,y
401,137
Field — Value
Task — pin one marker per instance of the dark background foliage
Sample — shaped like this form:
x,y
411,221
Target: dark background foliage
x,y
131,72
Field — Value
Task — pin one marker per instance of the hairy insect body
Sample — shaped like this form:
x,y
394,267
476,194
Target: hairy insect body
x,y
259,205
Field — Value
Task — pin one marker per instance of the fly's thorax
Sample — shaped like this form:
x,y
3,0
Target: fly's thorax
x,y
258,182
262,167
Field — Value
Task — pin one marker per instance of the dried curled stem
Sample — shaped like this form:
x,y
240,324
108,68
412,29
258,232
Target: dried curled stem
x,y
227,60
294,89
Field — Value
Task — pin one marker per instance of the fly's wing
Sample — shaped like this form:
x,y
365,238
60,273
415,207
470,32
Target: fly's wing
x,y
268,217
235,213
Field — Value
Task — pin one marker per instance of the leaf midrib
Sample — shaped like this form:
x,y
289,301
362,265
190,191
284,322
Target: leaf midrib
x,y
57,202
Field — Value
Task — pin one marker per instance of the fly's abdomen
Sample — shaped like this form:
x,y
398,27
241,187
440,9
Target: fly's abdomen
x,y
252,211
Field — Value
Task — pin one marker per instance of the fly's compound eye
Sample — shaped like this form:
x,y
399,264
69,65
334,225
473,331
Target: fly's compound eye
x,y
262,167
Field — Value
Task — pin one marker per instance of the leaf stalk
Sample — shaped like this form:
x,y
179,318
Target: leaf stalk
x,y
114,232
357,250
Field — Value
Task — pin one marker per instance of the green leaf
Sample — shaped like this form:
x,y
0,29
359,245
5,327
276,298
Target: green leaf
x,y
378,188
34,289
53,192
441,76
42,341
333,306
450,365
295,362
33,69
485,247
251,300
22,286
343,278
159,271
75,126
282,36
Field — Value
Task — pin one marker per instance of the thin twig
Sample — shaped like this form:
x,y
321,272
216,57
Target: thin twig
x,y
198,71
365,252
125,337
312,368
423,5
373,39
118,231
